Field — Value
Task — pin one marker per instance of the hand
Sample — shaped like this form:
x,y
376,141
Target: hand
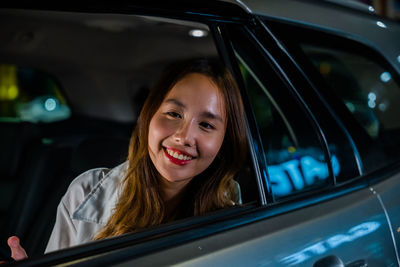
x,y
17,252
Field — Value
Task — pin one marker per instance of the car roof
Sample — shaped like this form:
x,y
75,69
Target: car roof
x,y
351,19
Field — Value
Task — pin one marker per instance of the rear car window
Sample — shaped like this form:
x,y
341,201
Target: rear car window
x,y
30,95
370,94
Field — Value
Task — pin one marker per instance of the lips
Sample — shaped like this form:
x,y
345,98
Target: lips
x,y
177,157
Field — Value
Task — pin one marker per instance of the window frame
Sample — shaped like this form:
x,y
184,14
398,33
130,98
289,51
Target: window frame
x,y
326,116
276,65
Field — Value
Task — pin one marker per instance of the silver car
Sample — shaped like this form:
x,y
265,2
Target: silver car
x,y
320,83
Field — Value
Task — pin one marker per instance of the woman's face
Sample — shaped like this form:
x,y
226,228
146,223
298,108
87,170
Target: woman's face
x,y
187,131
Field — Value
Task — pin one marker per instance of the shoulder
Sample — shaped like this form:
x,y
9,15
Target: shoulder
x,y
91,183
92,196
82,185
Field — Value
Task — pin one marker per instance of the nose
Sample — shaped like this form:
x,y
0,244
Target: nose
x,y
186,134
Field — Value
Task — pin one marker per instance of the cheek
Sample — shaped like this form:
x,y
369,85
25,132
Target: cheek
x,y
154,134
158,130
212,146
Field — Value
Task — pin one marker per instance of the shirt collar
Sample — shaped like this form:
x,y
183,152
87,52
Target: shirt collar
x,y
99,204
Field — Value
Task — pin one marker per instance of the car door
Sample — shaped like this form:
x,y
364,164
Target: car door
x,y
309,215
317,207
307,154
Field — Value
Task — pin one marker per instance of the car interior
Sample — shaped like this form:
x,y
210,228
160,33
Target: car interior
x,y
71,89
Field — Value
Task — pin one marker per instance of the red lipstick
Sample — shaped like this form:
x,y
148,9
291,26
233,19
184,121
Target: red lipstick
x,y
175,160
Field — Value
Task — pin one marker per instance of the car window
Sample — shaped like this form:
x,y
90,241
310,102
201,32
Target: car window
x,y
295,159
106,64
359,87
369,92
294,153
30,95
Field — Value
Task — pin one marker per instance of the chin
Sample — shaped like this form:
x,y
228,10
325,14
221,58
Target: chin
x,y
176,179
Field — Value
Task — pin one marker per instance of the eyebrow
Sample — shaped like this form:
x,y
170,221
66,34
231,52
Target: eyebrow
x,y
212,116
206,114
176,102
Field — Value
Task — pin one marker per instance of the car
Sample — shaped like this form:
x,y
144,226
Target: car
x,y
320,84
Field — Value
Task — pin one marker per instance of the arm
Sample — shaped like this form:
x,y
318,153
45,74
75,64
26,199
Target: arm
x,y
64,231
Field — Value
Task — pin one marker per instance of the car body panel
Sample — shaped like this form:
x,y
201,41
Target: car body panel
x,y
367,28
389,193
298,238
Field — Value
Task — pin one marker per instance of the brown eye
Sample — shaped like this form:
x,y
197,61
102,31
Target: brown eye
x,y
174,115
207,125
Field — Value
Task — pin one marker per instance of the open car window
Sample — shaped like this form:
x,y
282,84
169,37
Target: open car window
x,y
105,66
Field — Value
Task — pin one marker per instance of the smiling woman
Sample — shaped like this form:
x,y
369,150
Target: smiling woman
x,y
176,117
175,168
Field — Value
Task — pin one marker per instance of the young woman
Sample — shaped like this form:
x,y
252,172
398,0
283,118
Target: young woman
x,y
188,144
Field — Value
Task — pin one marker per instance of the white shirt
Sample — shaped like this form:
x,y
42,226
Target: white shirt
x,y
86,207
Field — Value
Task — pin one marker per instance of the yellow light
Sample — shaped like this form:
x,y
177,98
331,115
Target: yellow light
x,y
8,82
12,92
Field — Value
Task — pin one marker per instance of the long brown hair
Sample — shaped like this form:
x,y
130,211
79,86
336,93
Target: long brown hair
x,y
140,204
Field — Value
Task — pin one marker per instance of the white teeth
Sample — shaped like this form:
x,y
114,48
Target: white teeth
x,y
178,156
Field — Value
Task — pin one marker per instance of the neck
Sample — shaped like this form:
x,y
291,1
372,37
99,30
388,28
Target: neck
x,y
172,190
172,193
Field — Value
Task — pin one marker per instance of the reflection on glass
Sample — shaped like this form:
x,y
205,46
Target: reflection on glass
x,y
385,77
296,174
371,100
295,159
369,91
366,89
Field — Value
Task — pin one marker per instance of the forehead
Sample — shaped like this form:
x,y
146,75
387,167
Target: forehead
x,y
195,83
198,91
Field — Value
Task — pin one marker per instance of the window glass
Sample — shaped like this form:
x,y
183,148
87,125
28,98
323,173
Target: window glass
x,y
295,158
370,94
30,95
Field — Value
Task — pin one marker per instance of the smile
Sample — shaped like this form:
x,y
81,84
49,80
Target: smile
x,y
177,157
